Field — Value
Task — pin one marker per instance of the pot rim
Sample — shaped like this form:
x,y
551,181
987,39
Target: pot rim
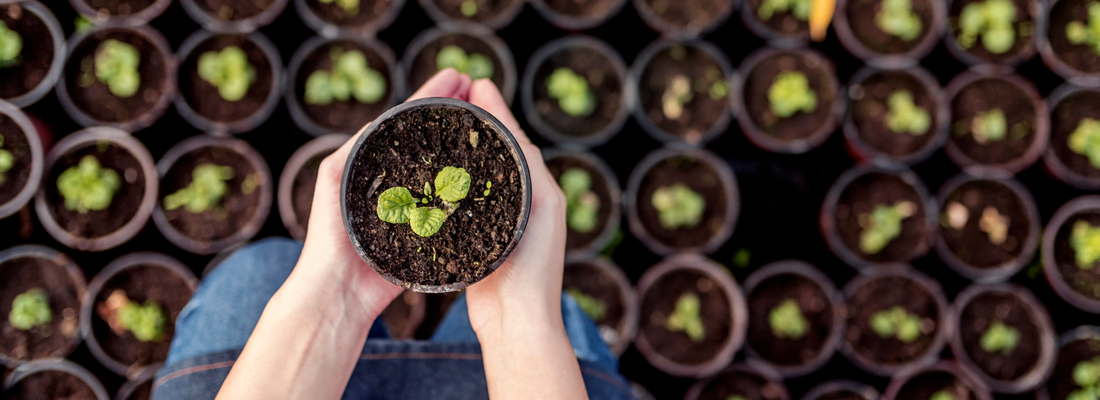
x,y
862,389
455,28
243,26
137,19
59,54
1050,158
614,218
1051,58
939,132
37,160
753,367
628,326
1081,332
146,375
1041,134
1079,205
64,262
948,366
329,29
575,23
506,16
59,365
637,72
285,192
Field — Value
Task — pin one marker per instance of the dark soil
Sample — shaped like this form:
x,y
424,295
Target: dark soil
x,y
923,386
1079,57
861,19
119,7
142,392
486,9
141,283
577,240
815,306
50,385
97,100
604,82
1024,20
424,67
970,244
745,384
1061,383
1085,282
590,280
861,196
15,142
234,10
204,98
689,13
979,314
123,206
702,112
369,11
581,8
982,96
347,116
398,315
841,395
1064,120
411,149
869,113
659,302
700,177
17,277
800,125
34,59
883,294
301,194
240,207
783,23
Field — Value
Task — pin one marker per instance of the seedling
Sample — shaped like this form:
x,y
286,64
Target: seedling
x,y
679,206
1000,338
897,323
787,321
989,126
1085,140
476,65
1085,241
30,310
116,65
351,7
1086,374
229,71
350,76
994,225
590,305
582,205
397,205
942,395
208,186
146,322
7,161
896,18
736,397
11,44
572,92
1078,33
904,115
800,9
82,24
686,318
883,225
791,93
468,8
87,186
992,20
677,94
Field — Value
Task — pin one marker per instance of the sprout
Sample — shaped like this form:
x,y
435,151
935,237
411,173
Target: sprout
x,y
10,46
468,8
229,71
572,92
994,225
677,94
82,24
736,397
7,161
942,395
116,65
476,65
686,318
350,76
992,20
1079,33
989,126
87,186
208,186
786,320
582,205
30,310
791,93
590,305
896,322
1000,338
397,205
883,225
800,9
897,18
145,322
351,7
1085,241
905,116
679,206
1085,140
1086,374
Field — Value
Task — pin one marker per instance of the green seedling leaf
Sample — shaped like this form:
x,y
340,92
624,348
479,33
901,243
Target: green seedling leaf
x,y
719,89
582,205
30,310
476,65
989,126
227,70
116,65
742,258
1085,241
1087,373
350,76
452,184
571,90
800,9
990,20
942,395
791,93
479,66
679,206
787,321
208,186
87,186
1085,140
82,24
904,116
896,18
351,7
7,162
1000,338
686,318
11,44
146,322
425,221
395,205
1079,33
591,305
736,397
468,8
883,225
897,323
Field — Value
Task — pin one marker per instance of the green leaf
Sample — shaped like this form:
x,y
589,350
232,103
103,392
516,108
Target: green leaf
x,y
425,221
30,310
395,205
787,321
905,116
469,8
227,70
687,317
572,92
896,322
370,88
989,126
942,395
479,67
591,306
574,182
11,44
452,184
318,88
1000,338
145,322
208,186
1085,140
990,20
1085,241
896,18
1087,373
800,9
679,206
7,161
883,225
791,93
451,56
116,65
87,186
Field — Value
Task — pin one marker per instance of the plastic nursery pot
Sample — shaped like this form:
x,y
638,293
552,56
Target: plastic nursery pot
x,y
238,215
962,241
411,146
298,180
199,101
1068,106
855,26
799,132
331,20
233,16
126,13
140,387
1079,344
701,172
706,114
90,102
580,245
405,314
1078,287
922,383
608,81
605,282
680,20
569,15
866,130
855,195
130,205
419,59
1079,64
842,389
722,313
143,277
498,15
817,298
348,116
20,138
1027,122
46,377
884,289
26,267
1029,363
749,380
782,29
42,57
1028,15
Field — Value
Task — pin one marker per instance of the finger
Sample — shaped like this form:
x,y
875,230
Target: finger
x,y
445,83
484,94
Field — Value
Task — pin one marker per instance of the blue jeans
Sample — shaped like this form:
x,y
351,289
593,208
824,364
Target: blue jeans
x,y
217,322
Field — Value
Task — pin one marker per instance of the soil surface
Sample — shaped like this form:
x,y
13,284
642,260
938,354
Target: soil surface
x,y
781,22
409,150
399,316
15,142
124,205
21,275
234,10
1064,120
883,294
972,245
976,318
50,385
870,109
815,307
1024,22
578,240
119,7
659,302
841,395
204,98
240,207
982,96
594,9
369,11
861,20
923,386
424,67
34,59
1080,57
301,194
96,99
486,9
690,13
861,196
592,281
801,125
1085,282
703,111
1061,384
345,116
604,82
141,283
745,384
698,176
142,392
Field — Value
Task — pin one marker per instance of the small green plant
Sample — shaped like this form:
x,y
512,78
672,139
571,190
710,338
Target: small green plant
x,y
1000,338
572,92
896,18
1085,140
582,205
11,44
989,126
351,76
800,9
883,225
30,310
791,93
787,321
7,161
992,20
351,7
468,8
905,116
686,318
82,24
208,186
592,306
88,186
1086,374
397,205
146,321
679,206
736,397
229,71
676,95
116,65
476,65
1078,33
1085,241
942,395
897,323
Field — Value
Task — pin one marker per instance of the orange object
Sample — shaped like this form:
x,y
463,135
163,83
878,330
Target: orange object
x,y
821,14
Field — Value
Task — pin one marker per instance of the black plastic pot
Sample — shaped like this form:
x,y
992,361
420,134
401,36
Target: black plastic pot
x,y
898,382
928,40
627,327
1058,158
1041,123
637,74
1036,11
132,387
211,22
678,32
502,19
1051,57
504,77
56,365
614,218
773,388
858,146
120,16
76,276
1089,335
1077,207
862,390
572,22
57,64
323,145
797,38
34,146
331,29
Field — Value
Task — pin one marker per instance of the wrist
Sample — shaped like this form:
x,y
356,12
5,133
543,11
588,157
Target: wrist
x,y
330,282
518,322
